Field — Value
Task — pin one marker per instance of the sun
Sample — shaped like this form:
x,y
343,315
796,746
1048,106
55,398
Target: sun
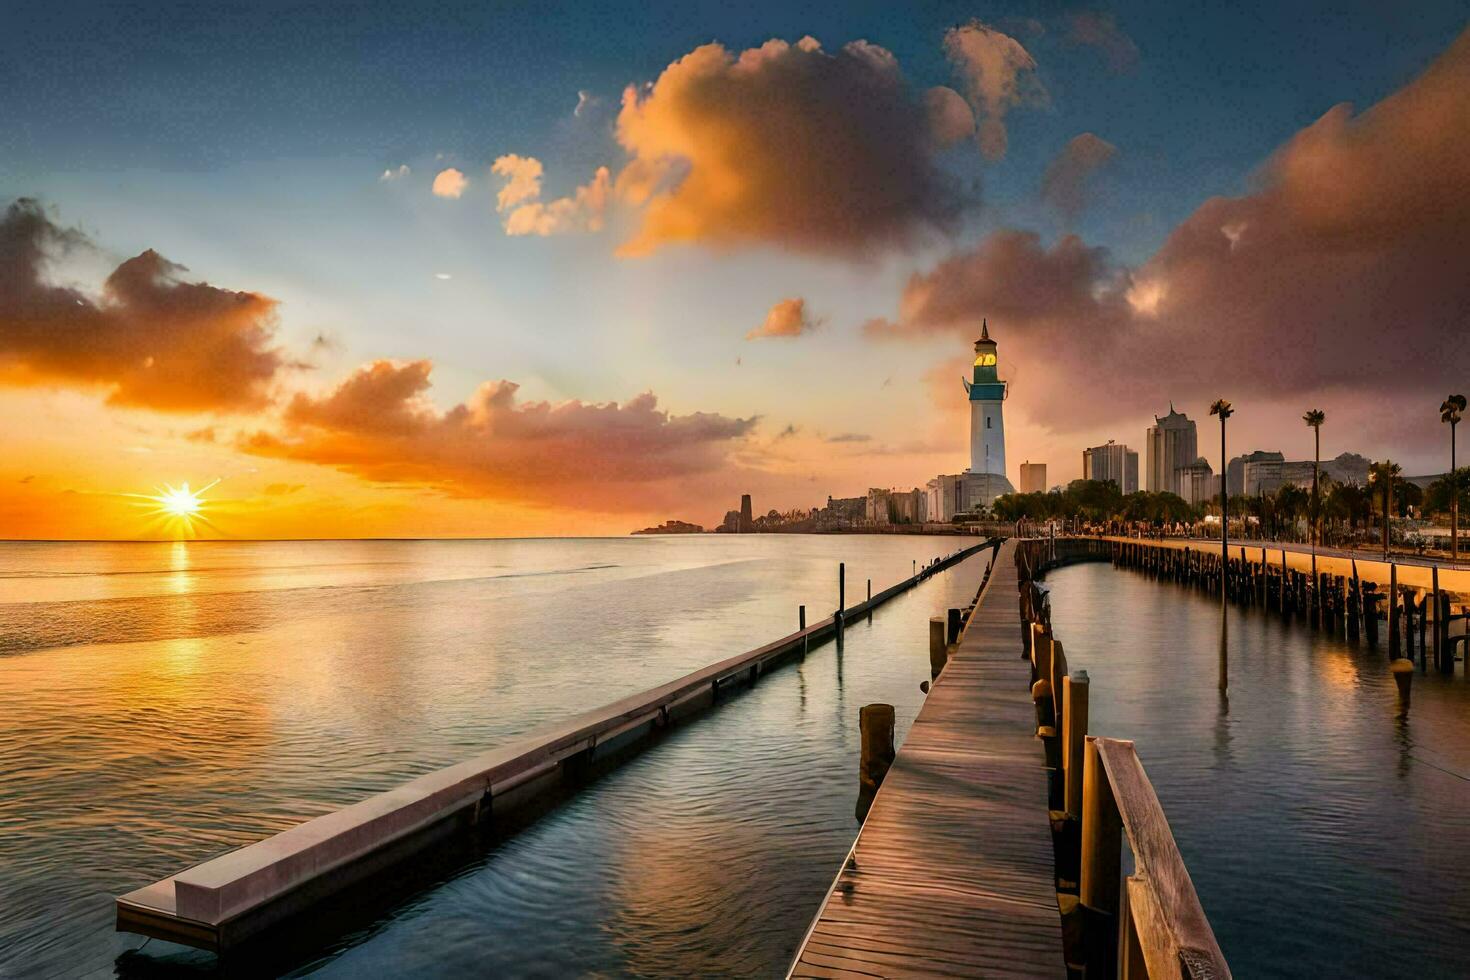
x,y
177,510
180,502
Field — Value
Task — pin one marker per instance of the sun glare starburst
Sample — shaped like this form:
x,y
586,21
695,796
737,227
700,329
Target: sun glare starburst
x,y
177,509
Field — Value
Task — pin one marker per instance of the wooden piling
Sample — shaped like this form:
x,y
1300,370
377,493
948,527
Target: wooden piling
x,y
875,723
938,649
1393,611
1403,676
1074,740
801,627
955,624
1101,866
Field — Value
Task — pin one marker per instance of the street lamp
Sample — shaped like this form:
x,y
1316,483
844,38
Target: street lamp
x,y
1450,411
1222,408
1314,418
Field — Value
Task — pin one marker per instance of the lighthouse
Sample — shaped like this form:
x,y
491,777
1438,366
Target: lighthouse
x,y
987,395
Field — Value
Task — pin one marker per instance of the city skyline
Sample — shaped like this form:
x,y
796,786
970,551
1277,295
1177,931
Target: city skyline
x,y
512,300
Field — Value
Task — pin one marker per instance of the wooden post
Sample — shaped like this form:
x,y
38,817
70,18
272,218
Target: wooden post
x,y
954,626
1074,741
1102,850
1283,581
875,724
1370,611
801,625
938,651
1438,623
1393,611
838,619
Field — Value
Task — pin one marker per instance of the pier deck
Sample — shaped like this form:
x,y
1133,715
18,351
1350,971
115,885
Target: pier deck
x,y
952,872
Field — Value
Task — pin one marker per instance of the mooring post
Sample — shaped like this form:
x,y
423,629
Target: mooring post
x,y
938,650
954,626
1370,611
1074,744
875,724
1100,880
801,626
1440,637
1393,611
838,619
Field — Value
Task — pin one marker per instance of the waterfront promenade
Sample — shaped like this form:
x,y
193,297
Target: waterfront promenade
x,y
952,872
1412,573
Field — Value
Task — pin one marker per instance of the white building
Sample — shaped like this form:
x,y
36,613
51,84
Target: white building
x,y
1112,462
1169,445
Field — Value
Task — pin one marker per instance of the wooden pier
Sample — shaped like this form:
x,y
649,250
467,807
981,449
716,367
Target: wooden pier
x,y
993,846
952,872
274,884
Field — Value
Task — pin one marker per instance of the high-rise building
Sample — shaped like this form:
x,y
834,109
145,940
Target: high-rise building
x,y
1033,477
1112,462
1235,477
1197,483
1169,444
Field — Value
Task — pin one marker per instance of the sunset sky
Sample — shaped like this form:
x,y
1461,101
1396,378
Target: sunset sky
x,y
474,270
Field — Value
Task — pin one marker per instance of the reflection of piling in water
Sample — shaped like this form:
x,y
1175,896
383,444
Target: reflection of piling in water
x,y
875,721
1403,676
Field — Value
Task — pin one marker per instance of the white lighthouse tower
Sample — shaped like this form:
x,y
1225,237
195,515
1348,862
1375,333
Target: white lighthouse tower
x,y
987,419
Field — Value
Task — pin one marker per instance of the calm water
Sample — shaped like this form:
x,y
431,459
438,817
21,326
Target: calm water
x,y
160,704
1327,832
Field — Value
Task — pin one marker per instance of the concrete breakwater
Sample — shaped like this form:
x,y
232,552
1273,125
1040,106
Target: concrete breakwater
x,y
234,899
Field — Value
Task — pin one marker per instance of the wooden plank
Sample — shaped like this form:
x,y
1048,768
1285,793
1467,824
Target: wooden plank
x,y
952,872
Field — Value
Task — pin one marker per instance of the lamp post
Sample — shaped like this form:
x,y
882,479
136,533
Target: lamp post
x,y
1450,411
1314,418
1222,408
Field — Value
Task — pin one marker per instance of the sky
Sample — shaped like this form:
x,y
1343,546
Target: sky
x,y
467,269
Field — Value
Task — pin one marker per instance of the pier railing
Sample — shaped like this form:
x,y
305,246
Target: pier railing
x,y
1150,925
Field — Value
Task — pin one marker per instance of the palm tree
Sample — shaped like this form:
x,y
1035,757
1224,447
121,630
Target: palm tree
x,y
1384,475
1314,418
1222,408
1450,411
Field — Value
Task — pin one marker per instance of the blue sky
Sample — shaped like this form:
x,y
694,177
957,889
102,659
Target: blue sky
x,y
247,144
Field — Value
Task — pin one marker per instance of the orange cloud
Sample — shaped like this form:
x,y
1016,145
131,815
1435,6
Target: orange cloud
x,y
583,210
1345,269
784,144
523,180
788,318
602,457
450,183
1065,184
999,74
152,339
